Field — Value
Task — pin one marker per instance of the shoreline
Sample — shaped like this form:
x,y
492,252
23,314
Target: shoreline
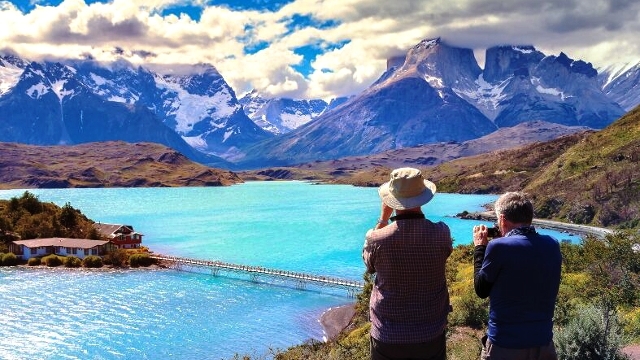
x,y
336,319
581,230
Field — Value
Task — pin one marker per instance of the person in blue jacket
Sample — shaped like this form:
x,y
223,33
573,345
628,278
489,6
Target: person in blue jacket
x,y
519,270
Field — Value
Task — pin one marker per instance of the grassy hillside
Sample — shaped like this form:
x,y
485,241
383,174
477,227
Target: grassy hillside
x,y
596,181
103,164
586,178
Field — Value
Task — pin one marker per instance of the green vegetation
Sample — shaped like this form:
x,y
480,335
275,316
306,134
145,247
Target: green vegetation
x,y
26,217
8,259
590,336
117,258
92,261
141,259
72,262
597,181
597,311
52,260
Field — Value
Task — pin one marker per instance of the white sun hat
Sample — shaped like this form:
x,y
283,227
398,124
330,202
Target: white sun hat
x,y
407,189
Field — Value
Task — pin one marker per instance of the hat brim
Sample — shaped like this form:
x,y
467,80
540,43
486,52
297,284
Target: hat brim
x,y
407,203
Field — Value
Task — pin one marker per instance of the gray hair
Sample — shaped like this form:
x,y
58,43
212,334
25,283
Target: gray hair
x,y
516,207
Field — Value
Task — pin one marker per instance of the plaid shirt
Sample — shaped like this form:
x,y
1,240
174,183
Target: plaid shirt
x,y
409,301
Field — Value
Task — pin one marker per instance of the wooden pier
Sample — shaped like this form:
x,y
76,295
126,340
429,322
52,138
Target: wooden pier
x,y
255,272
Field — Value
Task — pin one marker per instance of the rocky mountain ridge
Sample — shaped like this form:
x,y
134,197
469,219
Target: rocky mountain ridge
x,y
438,93
51,103
282,115
434,93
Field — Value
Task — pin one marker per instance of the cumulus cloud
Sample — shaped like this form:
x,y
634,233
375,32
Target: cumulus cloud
x,y
352,38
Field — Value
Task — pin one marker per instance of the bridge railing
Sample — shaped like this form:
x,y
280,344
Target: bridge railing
x,y
301,279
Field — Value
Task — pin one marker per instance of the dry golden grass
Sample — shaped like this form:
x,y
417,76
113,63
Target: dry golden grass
x,y
105,164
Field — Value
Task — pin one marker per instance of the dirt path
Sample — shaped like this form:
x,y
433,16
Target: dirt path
x,y
632,351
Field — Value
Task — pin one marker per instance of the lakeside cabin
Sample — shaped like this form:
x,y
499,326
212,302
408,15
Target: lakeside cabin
x,y
80,248
122,236
119,237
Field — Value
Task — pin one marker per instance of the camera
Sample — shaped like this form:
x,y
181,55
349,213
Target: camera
x,y
493,232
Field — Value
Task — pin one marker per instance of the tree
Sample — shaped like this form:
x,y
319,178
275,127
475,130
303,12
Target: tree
x,y
614,268
68,216
31,203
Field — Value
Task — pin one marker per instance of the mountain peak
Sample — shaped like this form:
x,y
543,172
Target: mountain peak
x,y
577,66
505,61
428,43
440,64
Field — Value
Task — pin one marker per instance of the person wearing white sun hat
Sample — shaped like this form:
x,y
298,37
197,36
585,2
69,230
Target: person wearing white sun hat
x,y
409,301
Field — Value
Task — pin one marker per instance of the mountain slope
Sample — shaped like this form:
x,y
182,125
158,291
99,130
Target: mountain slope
x,y
587,178
281,115
372,170
622,84
84,101
605,167
438,93
404,109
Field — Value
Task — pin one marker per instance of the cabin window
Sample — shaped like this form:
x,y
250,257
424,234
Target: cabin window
x,y
34,251
86,251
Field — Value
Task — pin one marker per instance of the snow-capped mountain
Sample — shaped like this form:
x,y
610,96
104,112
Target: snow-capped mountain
x,y
622,84
433,93
439,93
83,101
520,84
281,115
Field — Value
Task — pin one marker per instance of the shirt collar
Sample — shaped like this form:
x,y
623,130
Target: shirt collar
x,y
407,216
523,230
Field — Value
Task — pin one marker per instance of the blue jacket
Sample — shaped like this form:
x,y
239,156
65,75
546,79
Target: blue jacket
x,y
521,275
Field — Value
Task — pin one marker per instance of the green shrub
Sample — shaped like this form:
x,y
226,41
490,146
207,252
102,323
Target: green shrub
x,y
92,261
34,261
631,322
137,260
594,334
52,260
72,262
117,258
9,259
469,310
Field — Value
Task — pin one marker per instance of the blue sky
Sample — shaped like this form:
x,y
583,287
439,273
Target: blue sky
x,y
310,48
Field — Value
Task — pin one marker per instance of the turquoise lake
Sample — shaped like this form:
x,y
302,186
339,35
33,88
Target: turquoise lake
x,y
170,314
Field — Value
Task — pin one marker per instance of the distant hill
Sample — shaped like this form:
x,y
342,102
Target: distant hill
x,y
590,177
104,164
358,170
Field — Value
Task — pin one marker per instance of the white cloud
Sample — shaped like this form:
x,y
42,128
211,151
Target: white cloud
x,y
598,31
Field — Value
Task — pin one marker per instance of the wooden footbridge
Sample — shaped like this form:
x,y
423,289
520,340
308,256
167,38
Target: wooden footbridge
x,y
255,272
